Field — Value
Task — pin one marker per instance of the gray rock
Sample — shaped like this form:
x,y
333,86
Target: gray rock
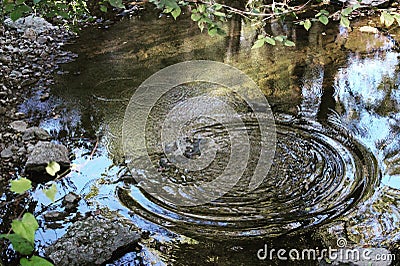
x,y
70,200
5,59
6,153
92,241
36,133
19,126
54,216
43,153
42,39
37,24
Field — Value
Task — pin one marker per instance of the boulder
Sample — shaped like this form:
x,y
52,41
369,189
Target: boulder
x,y
37,24
93,241
43,153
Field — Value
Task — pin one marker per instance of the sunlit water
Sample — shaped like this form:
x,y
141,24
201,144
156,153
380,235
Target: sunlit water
x,y
337,115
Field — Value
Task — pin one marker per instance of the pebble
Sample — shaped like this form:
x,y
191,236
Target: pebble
x,y
6,153
19,126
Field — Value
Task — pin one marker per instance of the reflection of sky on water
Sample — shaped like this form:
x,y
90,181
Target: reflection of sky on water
x,y
364,88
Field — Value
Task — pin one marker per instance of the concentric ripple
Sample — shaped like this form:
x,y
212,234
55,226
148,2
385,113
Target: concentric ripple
x,y
318,174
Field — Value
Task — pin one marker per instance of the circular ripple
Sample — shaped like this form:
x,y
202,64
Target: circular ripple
x,y
317,175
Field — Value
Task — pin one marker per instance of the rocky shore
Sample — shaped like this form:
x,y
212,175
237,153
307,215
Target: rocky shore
x,y
31,49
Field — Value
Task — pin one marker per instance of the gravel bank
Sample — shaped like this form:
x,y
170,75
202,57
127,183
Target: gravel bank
x,y
28,57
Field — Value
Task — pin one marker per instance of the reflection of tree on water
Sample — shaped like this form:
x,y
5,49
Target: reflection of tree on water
x,y
368,91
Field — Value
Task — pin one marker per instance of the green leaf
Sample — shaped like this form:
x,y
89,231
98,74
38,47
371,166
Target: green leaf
x,y
52,168
16,14
345,22
195,17
168,10
347,11
280,38
176,12
170,3
20,244
217,6
24,8
355,6
289,43
9,7
323,19
324,12
202,8
259,43
103,8
21,185
19,2
212,31
397,17
63,14
116,3
51,192
219,14
201,25
387,19
270,40
36,1
26,227
307,24
35,261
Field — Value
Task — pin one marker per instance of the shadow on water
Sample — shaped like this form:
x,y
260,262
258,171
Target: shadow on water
x,y
336,100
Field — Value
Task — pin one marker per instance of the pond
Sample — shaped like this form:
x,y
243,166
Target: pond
x,y
335,173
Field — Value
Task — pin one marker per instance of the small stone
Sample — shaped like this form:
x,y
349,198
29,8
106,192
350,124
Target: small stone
x,y
25,71
70,200
19,126
54,216
21,151
42,39
6,153
5,59
36,133
19,115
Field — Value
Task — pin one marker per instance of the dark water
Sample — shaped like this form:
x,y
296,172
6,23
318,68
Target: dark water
x,y
336,102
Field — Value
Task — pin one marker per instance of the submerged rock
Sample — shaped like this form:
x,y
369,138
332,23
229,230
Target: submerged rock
x,y
71,200
43,153
93,241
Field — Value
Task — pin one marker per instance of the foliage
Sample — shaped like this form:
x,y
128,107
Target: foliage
x,y
208,14
53,168
21,185
23,236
